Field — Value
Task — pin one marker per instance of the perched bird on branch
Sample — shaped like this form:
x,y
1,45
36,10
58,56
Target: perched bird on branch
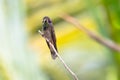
x,y
49,33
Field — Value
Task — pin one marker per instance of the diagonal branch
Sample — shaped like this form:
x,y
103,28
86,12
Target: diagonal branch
x,y
108,43
62,61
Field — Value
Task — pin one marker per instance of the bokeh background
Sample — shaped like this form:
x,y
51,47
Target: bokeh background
x,y
24,54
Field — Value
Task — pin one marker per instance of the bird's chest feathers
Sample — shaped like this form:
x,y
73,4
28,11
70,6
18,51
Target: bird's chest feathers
x,y
47,33
47,30
45,27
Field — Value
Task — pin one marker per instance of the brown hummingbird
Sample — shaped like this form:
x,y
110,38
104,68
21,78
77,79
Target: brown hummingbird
x,y
49,33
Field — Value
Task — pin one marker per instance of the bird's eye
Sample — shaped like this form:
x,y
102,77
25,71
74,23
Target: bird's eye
x,y
45,21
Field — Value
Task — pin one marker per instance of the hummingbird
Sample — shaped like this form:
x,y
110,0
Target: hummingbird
x,y
49,33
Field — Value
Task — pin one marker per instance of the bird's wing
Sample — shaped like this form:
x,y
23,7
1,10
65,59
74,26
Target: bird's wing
x,y
53,37
48,44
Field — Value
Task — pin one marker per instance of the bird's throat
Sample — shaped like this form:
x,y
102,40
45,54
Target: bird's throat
x,y
45,26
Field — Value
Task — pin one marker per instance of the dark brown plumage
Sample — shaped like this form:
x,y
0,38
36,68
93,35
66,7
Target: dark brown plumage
x,y
49,33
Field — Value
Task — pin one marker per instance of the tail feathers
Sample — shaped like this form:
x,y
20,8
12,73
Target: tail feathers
x,y
53,54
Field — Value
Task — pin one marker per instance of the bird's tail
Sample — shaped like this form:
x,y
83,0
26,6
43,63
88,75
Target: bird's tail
x,y
53,54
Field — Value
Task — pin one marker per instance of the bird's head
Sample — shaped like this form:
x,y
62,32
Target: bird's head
x,y
46,20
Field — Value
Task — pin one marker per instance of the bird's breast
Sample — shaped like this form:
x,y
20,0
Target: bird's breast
x,y
47,34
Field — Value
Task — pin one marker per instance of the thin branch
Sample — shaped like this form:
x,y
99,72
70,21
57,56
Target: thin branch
x,y
108,43
62,61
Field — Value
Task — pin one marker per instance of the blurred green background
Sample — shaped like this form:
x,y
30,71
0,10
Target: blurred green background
x,y
24,54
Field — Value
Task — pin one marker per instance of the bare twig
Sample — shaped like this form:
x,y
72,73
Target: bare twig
x,y
108,43
62,61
